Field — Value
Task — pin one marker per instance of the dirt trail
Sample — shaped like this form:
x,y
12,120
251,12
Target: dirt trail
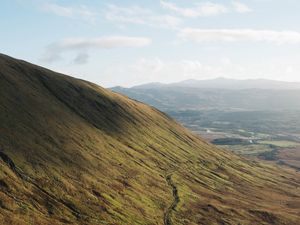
x,y
172,207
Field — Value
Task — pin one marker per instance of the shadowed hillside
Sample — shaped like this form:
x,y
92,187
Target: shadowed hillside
x,y
72,152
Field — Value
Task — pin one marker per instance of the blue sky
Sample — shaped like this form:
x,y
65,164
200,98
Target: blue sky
x,y
126,43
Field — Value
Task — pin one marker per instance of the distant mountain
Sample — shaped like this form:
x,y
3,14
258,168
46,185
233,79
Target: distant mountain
x,y
219,94
170,98
224,83
72,152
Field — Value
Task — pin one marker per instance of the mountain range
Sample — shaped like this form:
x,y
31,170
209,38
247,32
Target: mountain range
x,y
226,83
217,94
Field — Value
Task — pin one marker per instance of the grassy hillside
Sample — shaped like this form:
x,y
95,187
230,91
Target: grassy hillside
x,y
72,152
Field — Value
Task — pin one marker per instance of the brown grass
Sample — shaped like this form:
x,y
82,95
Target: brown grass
x,y
85,155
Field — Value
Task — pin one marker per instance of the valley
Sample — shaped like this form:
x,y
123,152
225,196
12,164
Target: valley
x,y
265,135
254,122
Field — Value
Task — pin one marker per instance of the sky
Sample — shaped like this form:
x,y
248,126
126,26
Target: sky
x,y
131,42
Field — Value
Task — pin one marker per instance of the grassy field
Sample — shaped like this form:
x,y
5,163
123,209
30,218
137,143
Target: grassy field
x,y
249,150
282,152
281,143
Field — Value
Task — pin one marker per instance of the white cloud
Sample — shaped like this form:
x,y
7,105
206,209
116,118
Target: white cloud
x,y
240,7
81,58
239,35
153,65
80,45
200,9
146,70
206,8
81,12
139,15
102,42
289,69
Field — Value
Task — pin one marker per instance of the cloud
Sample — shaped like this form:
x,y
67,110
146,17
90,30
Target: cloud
x,y
79,45
139,15
81,12
102,42
240,7
206,9
289,70
81,58
150,65
146,70
200,9
239,35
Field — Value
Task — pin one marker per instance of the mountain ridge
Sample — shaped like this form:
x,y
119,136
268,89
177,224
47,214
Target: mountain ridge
x,y
224,83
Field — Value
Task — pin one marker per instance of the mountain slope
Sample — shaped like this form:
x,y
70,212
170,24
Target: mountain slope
x,y
73,152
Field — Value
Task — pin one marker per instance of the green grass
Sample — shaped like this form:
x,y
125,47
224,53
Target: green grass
x,y
282,144
85,155
249,150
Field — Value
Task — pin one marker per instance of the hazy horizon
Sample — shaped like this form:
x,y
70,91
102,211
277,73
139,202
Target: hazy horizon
x,y
211,79
128,43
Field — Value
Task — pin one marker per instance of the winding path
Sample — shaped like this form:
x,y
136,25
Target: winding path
x,y
172,207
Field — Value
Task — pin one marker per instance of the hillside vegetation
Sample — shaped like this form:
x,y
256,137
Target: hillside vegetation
x,y
253,114
72,152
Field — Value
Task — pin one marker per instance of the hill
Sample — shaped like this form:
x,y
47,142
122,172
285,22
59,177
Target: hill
x,y
72,152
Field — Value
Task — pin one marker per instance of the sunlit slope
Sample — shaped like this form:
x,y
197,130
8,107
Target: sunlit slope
x,y
73,152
